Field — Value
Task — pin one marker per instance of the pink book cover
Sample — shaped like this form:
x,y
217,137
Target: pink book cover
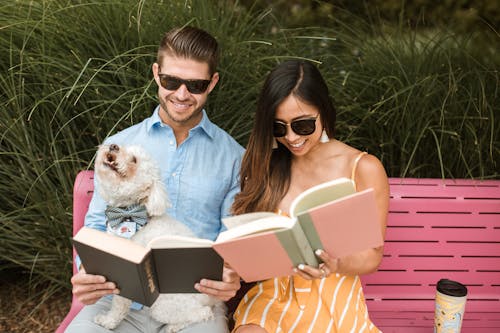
x,y
256,257
348,225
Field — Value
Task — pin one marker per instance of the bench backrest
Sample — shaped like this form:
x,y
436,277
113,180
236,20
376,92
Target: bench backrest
x,y
439,229
436,229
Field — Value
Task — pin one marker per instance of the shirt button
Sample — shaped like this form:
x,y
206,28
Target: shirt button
x,y
174,174
171,142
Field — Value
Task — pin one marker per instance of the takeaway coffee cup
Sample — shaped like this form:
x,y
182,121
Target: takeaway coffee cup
x,y
450,304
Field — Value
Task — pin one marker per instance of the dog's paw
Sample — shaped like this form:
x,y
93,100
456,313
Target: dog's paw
x,y
106,321
174,328
205,313
182,320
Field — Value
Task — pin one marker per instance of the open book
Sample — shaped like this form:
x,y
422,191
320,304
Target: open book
x,y
331,216
169,264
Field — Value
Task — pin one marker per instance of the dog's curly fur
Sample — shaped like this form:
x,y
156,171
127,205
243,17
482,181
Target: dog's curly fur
x,y
127,175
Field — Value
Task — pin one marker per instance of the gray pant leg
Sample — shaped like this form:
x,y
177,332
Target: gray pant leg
x,y
218,325
137,321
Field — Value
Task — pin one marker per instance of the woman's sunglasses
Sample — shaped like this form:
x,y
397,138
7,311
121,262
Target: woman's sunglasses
x,y
173,83
305,126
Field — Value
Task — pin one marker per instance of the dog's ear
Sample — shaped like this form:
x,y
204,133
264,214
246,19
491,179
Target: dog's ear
x,y
157,201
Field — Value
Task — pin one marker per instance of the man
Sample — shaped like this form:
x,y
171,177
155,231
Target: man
x,y
199,163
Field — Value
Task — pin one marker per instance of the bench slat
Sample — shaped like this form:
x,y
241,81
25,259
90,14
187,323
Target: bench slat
x,y
409,220
416,291
419,305
471,318
446,206
430,248
427,262
431,277
444,234
438,187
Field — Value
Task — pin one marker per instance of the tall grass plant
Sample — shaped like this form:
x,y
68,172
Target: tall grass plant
x,y
74,72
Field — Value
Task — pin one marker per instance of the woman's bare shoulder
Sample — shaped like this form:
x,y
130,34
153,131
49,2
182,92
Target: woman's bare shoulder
x,y
370,171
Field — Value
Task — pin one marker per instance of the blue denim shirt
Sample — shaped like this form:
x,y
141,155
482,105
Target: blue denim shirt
x,y
201,175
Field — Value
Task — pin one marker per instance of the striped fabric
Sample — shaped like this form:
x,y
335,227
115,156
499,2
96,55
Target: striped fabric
x,y
293,304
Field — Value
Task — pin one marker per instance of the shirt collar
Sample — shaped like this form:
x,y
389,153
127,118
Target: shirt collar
x,y
205,125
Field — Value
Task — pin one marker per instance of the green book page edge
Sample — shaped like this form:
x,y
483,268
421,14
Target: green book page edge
x,y
298,248
304,245
310,231
288,242
321,194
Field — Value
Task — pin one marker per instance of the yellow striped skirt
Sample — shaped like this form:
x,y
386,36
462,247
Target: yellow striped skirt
x,y
293,304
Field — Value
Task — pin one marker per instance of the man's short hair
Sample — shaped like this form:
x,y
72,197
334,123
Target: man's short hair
x,y
190,43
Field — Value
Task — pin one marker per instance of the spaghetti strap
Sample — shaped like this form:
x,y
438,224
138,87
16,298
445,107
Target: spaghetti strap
x,y
355,166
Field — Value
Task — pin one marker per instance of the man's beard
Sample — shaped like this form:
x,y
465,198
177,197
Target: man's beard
x,y
180,121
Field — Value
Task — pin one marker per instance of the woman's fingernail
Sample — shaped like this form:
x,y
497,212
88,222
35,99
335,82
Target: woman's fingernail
x,y
302,266
319,252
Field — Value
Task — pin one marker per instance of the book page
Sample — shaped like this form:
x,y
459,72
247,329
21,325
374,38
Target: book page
x,y
262,225
237,220
320,194
175,241
115,245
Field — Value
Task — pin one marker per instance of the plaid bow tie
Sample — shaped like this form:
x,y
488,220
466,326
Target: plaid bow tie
x,y
133,213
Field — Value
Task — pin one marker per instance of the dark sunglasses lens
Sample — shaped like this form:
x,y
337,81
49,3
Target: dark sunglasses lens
x,y
279,130
304,127
197,86
169,83
193,86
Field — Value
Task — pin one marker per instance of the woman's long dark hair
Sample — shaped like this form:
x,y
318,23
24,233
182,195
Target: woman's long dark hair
x,y
265,172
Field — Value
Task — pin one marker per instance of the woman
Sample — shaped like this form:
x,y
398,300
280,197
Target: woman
x,y
291,149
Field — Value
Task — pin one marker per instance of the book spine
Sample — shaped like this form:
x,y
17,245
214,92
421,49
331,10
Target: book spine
x,y
305,248
289,243
149,280
295,243
310,232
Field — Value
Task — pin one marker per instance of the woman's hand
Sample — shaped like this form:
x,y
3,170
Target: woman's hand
x,y
325,269
363,262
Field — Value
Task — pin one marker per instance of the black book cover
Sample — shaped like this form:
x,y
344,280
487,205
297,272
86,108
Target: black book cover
x,y
178,269
136,281
141,273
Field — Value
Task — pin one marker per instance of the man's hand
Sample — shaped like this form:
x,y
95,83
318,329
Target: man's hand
x,y
223,290
89,288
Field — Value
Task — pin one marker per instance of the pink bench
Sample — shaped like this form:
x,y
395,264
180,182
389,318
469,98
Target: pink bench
x,y
436,229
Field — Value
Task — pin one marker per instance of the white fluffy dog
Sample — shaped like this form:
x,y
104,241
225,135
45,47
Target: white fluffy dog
x,y
128,176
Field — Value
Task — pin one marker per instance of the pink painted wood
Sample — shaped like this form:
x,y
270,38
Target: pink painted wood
x,y
436,229
82,193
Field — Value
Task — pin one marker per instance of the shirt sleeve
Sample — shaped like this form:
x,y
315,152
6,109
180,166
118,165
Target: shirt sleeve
x,y
229,198
95,216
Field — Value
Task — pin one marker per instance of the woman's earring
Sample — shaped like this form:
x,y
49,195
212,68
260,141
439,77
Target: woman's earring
x,y
275,144
324,137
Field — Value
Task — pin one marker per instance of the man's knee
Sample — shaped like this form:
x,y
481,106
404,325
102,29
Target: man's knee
x,y
84,320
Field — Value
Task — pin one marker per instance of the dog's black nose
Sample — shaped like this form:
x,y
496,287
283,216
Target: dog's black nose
x,y
114,147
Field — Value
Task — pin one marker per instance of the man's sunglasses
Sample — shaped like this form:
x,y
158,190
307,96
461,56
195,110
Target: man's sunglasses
x,y
193,86
305,126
